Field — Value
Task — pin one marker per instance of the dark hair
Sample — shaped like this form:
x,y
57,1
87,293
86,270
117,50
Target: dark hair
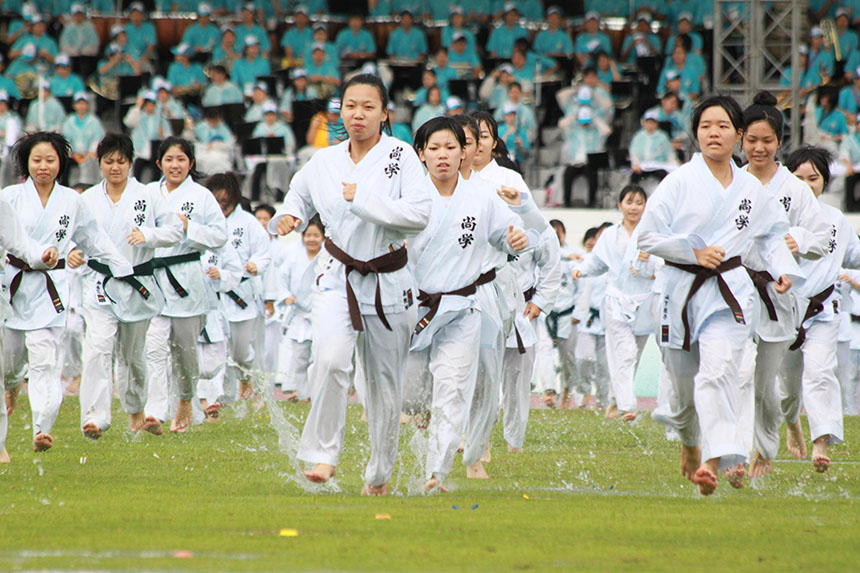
x,y
557,224
684,41
265,207
728,103
589,70
373,81
604,225
820,159
315,221
515,84
185,147
764,109
442,49
212,112
468,122
218,68
632,190
669,94
500,152
832,95
227,182
437,124
522,44
22,150
590,234
430,71
116,143
430,89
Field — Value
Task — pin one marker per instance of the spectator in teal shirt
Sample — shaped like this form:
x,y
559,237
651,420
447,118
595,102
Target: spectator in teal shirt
x,y
407,42
465,62
501,41
685,26
554,41
591,40
432,107
848,39
690,88
299,91
46,47
457,27
141,34
849,96
220,91
321,37
64,82
298,39
227,52
444,72
428,83
186,77
831,122
380,8
513,135
820,64
118,62
641,41
7,84
355,42
83,131
322,73
249,28
79,37
246,70
24,63
202,36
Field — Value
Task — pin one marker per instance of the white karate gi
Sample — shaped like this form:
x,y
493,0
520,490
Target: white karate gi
x,y
851,384
296,280
590,349
34,333
392,201
117,315
73,335
691,209
846,366
173,333
274,328
562,318
808,375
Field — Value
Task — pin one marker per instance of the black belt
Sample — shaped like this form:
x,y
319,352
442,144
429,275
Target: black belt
x,y
701,275
528,295
143,269
23,267
855,318
167,262
593,314
760,280
552,320
240,302
815,306
387,263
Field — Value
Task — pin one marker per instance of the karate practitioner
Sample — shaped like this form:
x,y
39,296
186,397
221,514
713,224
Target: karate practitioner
x,y
447,258
590,349
630,278
273,330
243,306
52,215
704,219
172,336
118,311
371,195
808,372
850,378
777,325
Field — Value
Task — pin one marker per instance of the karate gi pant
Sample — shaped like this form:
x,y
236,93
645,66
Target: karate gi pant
x,y
484,403
592,366
446,371
272,352
42,349
516,394
383,354
704,398
808,378
544,376
242,340
568,373
212,358
106,338
761,415
297,370
4,419
848,369
73,336
623,351
171,359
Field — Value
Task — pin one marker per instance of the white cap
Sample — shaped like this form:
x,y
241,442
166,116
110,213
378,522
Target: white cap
x,y
509,108
803,49
204,9
149,95
319,26
262,87
77,8
816,32
510,6
270,107
651,114
672,75
159,83
4,96
298,73
456,10
249,6
643,15
333,106
584,94
842,12
81,96
62,60
36,19
301,9
507,69
181,50
857,73
136,6
370,68
584,115
453,102
251,41
685,16
553,10
458,36
592,15
318,46
116,30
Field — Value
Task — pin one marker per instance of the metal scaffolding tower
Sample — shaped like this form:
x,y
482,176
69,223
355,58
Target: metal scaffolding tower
x,y
755,45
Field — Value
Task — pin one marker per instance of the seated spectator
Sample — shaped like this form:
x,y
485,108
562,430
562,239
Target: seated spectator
x,y
607,71
301,90
355,42
501,41
590,40
399,129
820,63
669,110
380,8
321,38
45,114
79,37
249,28
650,145
428,81
583,134
529,9
19,26
226,52
831,123
480,11
297,39
444,72
246,70
186,77
694,9
146,126
554,41
23,68
457,26
467,64
120,58
526,120
166,104
807,82
522,73
407,42
690,88
685,26
431,108
83,131
454,106
325,129
513,134
259,97
848,39
7,84
548,66
849,155
220,90
64,82
322,73
214,143
45,46
849,97
641,41
141,34
203,35
494,88
270,126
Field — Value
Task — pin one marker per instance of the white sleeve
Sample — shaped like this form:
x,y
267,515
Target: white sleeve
x,y
89,235
298,202
211,233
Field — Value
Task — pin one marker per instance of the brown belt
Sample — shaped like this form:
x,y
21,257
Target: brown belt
x,y
701,275
49,282
432,301
387,263
816,305
760,280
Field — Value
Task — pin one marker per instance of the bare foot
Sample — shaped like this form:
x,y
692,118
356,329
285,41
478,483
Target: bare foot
x,y
759,466
461,447
183,417
321,473
513,450
691,459
42,442
92,431
363,415
735,476
12,399
565,398
433,485
375,490
476,471
4,457
706,480
153,426
291,396
628,416
404,418
549,400
74,387
246,389
794,440
820,461
213,411
487,457
612,411
136,421
422,420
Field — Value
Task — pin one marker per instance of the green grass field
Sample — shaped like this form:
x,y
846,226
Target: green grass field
x,y
587,493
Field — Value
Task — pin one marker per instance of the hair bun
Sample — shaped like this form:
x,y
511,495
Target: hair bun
x,y
764,98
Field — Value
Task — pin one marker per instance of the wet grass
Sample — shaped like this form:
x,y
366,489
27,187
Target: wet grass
x,y
587,493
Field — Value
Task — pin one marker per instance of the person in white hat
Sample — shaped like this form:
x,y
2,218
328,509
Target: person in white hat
x,y
299,90
457,25
591,39
119,58
500,44
10,130
297,38
650,145
83,131
220,89
250,29
462,59
186,77
583,134
848,39
322,73
227,51
45,46
270,125
146,126
79,37
821,63
320,36
641,41
526,119
214,143
202,36
141,33
454,106
65,82
251,66
685,26
259,96
45,114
